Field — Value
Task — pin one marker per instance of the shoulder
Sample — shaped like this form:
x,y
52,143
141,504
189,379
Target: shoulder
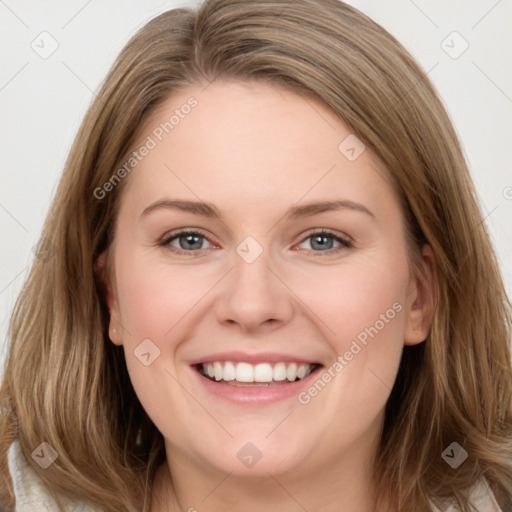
x,y
481,497
29,490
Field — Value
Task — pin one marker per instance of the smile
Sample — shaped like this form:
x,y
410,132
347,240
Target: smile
x,y
253,374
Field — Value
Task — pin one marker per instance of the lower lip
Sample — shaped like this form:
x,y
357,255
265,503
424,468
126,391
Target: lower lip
x,y
256,395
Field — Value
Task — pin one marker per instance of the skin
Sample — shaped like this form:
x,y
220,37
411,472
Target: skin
x,y
255,150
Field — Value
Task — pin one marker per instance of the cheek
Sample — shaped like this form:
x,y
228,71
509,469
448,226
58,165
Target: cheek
x,y
350,298
155,301
362,308
154,297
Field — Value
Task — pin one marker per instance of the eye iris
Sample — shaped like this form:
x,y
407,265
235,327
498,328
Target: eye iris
x,y
194,241
322,242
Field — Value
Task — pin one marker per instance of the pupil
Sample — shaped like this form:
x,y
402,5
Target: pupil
x,y
192,240
322,241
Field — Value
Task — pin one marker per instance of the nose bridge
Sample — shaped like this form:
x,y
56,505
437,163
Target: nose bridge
x,y
252,278
253,295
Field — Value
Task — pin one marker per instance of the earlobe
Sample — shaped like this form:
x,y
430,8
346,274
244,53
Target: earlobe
x,y
114,328
424,289
114,331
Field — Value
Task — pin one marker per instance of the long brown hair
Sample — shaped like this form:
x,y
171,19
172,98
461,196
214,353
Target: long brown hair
x,y
65,383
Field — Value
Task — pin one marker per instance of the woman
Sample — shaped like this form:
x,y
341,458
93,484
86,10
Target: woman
x,y
271,285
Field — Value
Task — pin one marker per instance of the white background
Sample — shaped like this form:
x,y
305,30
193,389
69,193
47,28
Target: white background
x,y
42,101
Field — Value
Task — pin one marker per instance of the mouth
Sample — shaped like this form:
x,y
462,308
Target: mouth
x,y
244,374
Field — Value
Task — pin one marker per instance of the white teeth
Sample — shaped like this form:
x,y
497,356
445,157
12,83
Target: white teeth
x,y
301,371
291,372
229,371
280,371
244,372
261,372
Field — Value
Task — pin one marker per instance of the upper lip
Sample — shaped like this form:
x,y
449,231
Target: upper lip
x,y
255,358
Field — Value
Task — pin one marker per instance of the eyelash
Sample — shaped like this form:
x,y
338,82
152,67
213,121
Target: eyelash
x,y
346,243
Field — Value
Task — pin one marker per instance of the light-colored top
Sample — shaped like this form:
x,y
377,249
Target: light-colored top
x,y
31,494
481,497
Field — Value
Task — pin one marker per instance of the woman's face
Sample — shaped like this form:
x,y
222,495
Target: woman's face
x,y
296,263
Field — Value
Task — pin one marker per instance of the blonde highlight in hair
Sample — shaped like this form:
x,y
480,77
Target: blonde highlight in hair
x,y
65,382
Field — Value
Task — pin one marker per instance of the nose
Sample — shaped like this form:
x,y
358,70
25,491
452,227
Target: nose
x,y
254,296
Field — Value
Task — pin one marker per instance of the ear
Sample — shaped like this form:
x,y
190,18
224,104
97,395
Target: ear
x,y
109,295
423,298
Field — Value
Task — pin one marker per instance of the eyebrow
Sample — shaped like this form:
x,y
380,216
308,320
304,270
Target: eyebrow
x,y
209,210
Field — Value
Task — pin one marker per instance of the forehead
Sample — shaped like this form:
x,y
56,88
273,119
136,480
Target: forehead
x,y
254,141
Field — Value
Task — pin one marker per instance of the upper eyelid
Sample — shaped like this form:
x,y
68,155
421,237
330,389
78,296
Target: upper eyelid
x,y
193,231
328,232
